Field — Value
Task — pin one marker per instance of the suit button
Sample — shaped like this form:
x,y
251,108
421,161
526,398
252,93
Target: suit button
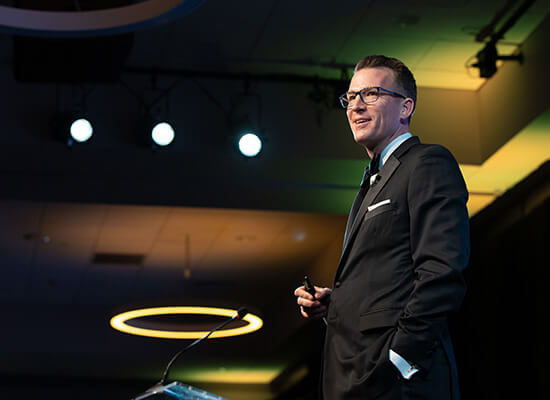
x,y
337,284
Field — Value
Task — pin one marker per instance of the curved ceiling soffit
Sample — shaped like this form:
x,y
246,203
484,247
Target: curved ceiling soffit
x,y
110,21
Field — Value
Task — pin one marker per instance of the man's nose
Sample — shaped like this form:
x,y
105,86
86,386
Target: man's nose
x,y
357,104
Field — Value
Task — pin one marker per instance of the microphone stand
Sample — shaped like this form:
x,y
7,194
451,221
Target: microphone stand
x,y
240,315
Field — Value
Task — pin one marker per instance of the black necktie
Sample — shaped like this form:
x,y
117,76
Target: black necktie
x,y
374,164
371,170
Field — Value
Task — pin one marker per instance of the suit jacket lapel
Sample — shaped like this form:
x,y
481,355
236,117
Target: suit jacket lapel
x,y
385,174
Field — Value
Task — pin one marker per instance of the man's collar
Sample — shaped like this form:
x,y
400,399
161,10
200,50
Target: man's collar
x,y
390,148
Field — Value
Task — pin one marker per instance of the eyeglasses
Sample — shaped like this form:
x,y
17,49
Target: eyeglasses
x,y
367,95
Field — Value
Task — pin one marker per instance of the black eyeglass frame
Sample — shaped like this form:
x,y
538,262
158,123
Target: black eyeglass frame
x,y
343,98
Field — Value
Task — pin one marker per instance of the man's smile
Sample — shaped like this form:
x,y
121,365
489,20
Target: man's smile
x,y
361,121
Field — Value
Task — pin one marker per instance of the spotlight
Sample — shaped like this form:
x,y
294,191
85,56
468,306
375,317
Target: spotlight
x,y
487,60
162,134
250,145
488,56
81,130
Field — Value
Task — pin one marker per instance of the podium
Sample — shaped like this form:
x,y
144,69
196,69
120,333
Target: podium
x,y
176,390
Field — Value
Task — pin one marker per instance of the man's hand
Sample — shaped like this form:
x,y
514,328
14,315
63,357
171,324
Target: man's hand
x,y
313,307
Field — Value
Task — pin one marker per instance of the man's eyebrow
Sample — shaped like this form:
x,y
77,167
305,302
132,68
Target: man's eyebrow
x,y
360,90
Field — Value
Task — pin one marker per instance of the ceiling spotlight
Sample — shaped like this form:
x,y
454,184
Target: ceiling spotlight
x,y
487,60
488,56
250,145
80,130
162,134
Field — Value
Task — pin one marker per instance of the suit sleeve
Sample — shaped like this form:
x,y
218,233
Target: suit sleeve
x,y
439,242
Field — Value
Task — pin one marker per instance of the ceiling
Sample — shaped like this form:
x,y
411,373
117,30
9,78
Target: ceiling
x,y
62,295
435,39
206,227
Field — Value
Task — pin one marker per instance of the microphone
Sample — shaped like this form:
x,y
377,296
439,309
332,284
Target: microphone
x,y
241,313
310,288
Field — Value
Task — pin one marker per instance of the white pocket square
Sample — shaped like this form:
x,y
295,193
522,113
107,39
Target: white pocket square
x,y
376,205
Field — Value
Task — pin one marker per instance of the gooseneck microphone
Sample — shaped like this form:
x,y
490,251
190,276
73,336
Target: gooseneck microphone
x,y
241,312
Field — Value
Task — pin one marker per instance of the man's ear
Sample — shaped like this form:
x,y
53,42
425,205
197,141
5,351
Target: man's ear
x,y
407,108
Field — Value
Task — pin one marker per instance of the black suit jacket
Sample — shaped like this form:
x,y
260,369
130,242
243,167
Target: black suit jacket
x,y
399,276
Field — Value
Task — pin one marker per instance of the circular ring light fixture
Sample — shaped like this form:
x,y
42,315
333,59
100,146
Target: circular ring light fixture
x,y
118,322
130,18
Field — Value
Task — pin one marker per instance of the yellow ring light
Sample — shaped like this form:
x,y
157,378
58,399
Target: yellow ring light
x,y
118,322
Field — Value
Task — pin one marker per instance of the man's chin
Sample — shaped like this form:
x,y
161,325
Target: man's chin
x,y
363,141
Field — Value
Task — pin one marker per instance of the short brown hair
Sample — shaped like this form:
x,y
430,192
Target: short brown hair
x,y
403,75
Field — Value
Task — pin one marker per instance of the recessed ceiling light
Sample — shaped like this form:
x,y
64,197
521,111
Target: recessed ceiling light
x,y
299,236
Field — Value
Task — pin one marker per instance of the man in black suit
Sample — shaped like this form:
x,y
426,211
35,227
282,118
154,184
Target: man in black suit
x,y
405,247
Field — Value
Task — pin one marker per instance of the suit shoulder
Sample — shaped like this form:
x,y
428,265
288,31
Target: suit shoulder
x,y
435,158
436,162
425,152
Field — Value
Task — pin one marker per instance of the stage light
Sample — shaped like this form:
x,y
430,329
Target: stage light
x,y
162,134
487,60
81,130
250,145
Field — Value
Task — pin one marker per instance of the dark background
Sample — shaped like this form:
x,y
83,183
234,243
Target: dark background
x,y
113,224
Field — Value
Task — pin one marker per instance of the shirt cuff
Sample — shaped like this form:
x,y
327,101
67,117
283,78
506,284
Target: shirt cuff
x,y
407,370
